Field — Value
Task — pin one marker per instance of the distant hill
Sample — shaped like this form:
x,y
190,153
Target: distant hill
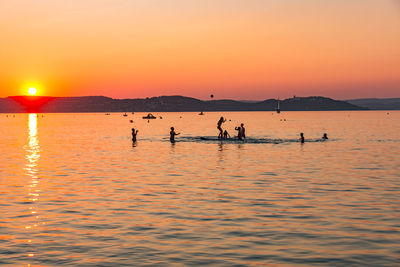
x,y
377,103
9,106
172,103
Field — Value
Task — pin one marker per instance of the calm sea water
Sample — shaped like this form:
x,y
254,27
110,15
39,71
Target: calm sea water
x,y
75,192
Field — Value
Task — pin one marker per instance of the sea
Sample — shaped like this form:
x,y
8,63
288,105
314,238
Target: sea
x,y
75,190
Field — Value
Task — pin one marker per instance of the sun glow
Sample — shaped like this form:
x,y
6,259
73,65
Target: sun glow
x,y
32,91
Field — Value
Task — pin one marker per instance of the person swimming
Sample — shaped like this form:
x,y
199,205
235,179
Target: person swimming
x,y
325,136
221,132
226,135
134,134
172,135
302,138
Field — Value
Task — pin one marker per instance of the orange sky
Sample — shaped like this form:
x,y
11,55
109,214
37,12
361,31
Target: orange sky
x,y
239,49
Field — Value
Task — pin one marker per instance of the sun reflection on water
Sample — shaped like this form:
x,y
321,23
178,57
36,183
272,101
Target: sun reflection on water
x,y
32,156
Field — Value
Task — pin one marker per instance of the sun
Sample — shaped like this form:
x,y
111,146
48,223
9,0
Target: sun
x,y
32,91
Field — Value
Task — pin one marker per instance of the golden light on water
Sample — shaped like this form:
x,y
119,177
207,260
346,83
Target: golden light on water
x,y
32,156
83,177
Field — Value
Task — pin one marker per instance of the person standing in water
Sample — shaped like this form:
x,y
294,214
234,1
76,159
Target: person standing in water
x,y
302,138
243,131
172,135
134,134
221,132
325,136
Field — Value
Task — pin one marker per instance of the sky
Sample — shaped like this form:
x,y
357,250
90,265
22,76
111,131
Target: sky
x,y
236,49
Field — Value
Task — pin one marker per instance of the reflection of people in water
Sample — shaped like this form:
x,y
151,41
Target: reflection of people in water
x,y
226,135
325,136
243,131
221,120
172,135
302,138
134,134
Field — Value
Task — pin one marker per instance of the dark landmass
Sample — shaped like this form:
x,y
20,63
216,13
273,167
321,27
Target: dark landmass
x,y
164,104
377,103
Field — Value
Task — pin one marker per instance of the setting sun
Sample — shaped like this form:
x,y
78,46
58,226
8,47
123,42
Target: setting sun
x,y
32,91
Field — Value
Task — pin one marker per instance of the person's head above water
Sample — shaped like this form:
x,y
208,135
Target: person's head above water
x,y
172,128
301,134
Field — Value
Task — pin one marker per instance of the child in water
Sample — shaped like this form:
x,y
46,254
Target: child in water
x,y
172,135
239,129
134,134
301,138
226,135
325,136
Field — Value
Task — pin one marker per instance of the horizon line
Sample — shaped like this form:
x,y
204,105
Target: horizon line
x,y
245,100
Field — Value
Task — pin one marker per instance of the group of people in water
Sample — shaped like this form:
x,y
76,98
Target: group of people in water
x,y
172,135
302,140
223,134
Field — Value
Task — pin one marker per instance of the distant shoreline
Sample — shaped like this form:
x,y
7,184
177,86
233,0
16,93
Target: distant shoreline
x,y
145,112
101,104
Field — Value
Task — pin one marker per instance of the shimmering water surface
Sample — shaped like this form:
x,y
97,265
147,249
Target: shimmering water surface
x,y
75,192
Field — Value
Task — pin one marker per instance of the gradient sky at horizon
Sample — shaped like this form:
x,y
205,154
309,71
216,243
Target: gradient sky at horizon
x,y
238,49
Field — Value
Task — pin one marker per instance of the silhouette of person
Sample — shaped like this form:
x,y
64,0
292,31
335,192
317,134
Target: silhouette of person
x,y
239,129
302,138
134,134
172,135
221,120
325,136
226,134
243,131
